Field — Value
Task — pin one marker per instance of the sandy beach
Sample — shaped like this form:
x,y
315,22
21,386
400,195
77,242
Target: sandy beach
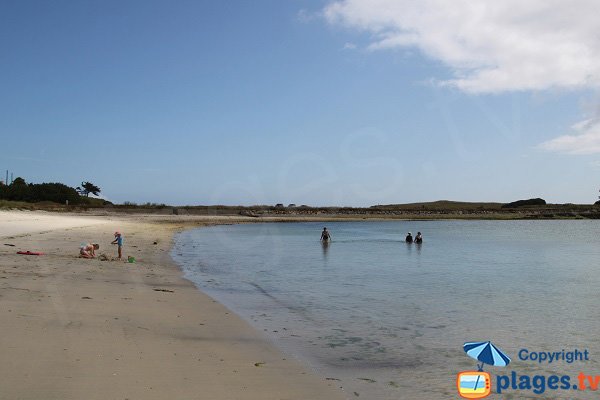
x,y
72,328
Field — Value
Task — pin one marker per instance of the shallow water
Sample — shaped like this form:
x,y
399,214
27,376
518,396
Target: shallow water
x,y
389,319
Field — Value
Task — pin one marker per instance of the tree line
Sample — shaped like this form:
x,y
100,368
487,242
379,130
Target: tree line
x,y
19,190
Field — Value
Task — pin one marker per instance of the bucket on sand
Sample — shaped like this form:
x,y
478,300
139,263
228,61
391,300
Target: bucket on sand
x,y
131,259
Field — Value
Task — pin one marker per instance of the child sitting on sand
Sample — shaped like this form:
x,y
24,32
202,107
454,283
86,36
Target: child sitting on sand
x,y
88,250
119,241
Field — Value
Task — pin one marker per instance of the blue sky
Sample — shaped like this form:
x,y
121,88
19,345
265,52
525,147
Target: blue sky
x,y
309,102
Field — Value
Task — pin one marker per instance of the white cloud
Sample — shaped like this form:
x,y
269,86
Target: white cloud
x,y
349,46
585,139
491,46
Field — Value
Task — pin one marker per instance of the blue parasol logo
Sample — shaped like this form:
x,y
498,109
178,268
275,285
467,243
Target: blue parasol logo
x,y
487,353
477,384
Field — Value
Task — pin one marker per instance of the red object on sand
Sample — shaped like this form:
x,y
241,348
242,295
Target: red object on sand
x,y
30,253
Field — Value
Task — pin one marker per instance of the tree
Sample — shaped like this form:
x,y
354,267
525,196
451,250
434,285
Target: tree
x,y
55,192
19,190
19,181
87,188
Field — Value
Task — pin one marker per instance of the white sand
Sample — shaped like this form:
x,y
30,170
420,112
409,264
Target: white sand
x,y
15,223
73,329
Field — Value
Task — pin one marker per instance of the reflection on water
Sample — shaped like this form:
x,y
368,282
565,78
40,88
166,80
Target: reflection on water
x,y
388,318
325,246
409,247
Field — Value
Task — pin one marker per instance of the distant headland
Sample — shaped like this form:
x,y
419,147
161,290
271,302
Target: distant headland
x,y
62,198
436,210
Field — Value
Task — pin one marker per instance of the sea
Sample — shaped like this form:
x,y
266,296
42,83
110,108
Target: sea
x,y
384,319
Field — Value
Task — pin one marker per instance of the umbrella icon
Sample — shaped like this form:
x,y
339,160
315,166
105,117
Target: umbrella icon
x,y
487,353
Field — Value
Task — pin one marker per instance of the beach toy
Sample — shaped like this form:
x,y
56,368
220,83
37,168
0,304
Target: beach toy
x,y
131,259
30,253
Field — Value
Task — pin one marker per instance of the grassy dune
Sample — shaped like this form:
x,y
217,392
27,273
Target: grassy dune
x,y
442,209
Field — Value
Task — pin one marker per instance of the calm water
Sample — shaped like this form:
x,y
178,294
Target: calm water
x,y
389,319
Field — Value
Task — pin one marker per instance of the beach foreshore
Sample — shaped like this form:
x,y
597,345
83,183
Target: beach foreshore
x,y
73,328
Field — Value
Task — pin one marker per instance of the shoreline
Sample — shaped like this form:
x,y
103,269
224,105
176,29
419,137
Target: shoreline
x,y
428,329
75,328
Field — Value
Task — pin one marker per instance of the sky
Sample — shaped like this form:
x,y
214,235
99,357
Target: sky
x,y
332,102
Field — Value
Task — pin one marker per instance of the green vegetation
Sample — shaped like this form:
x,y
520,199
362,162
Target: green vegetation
x,y
16,204
422,211
19,190
20,194
523,203
440,205
86,188
54,197
148,205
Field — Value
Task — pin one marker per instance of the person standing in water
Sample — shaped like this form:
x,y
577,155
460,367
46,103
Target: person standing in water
x,y
325,235
409,238
419,238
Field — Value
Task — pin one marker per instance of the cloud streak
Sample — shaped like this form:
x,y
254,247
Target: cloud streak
x,y
584,140
491,46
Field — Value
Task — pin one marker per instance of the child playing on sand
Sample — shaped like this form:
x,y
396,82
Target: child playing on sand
x,y
119,241
88,250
